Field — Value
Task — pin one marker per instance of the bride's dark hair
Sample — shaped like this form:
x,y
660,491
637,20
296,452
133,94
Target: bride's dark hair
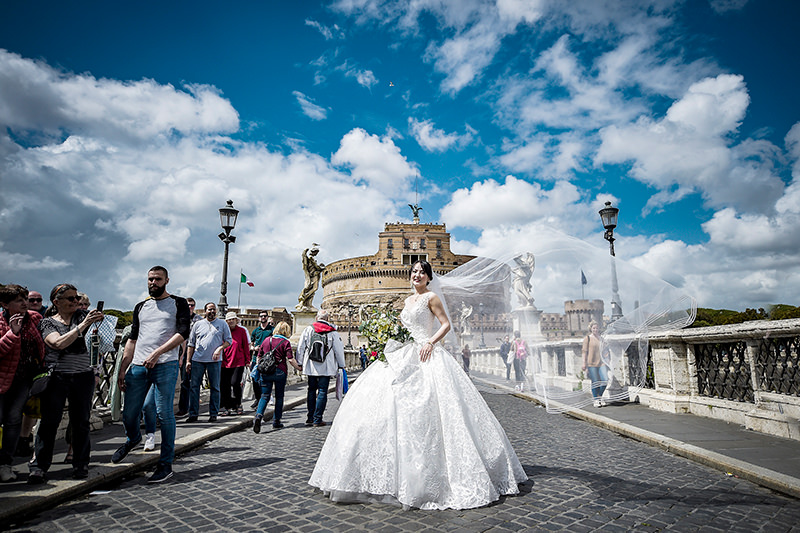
x,y
425,266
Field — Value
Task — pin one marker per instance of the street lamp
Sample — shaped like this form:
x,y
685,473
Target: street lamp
x,y
483,318
609,217
227,218
349,326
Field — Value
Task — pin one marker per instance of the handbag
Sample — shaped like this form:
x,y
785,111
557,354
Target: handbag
x,y
40,383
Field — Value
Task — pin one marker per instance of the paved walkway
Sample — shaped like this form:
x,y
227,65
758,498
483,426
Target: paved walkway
x,y
583,478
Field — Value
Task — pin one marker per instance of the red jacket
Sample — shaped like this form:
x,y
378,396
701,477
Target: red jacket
x,y
238,353
11,347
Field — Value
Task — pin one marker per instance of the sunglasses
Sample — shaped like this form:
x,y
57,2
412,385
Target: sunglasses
x,y
34,299
70,298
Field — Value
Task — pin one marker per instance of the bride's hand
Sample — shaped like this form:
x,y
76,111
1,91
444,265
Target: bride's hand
x,y
425,352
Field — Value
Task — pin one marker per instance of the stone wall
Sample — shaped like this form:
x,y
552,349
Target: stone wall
x,y
747,374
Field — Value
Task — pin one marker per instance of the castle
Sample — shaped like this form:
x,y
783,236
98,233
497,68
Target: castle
x,y
351,286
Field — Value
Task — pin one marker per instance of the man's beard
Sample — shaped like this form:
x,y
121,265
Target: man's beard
x,y
155,291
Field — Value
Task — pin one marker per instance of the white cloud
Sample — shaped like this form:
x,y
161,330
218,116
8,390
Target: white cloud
x,y
310,109
38,96
489,204
691,148
375,161
328,32
116,189
364,77
433,139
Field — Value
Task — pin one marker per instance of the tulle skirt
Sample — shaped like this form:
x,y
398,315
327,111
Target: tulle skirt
x,y
419,435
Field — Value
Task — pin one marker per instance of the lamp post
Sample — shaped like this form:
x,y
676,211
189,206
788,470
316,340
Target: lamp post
x,y
609,217
483,319
227,217
349,326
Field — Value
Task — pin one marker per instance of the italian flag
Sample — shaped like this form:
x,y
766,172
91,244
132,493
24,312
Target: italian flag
x,y
244,280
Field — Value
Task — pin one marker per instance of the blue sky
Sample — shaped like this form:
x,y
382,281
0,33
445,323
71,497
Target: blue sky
x,y
125,127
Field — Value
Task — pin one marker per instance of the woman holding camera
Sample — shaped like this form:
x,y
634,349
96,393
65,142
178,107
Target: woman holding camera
x,y
63,331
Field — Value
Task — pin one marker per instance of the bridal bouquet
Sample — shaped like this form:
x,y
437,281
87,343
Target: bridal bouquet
x,y
382,325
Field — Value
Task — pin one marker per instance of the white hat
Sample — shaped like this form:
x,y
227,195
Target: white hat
x,y
230,314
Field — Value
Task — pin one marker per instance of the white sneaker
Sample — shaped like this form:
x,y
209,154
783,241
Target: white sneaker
x,y
7,474
598,403
150,442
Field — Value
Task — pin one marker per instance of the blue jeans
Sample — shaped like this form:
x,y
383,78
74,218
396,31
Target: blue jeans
x,y
317,397
138,382
279,379
149,411
599,377
197,372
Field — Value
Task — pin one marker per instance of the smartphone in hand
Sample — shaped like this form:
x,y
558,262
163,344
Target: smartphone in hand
x,y
100,305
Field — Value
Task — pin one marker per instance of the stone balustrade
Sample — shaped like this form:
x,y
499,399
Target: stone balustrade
x,y
746,374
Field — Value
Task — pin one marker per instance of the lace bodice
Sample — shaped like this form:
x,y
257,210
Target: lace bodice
x,y
418,318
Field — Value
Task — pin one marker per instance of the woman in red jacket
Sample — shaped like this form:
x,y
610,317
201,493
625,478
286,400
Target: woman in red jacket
x,y
21,356
234,360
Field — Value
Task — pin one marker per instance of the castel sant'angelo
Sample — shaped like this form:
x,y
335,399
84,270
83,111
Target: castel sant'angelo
x,y
353,285
382,278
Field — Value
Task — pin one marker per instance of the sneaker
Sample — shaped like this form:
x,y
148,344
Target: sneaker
x,y
277,425
254,405
257,424
150,442
181,414
320,424
190,420
80,473
603,403
36,477
7,474
309,423
212,418
124,450
598,403
162,473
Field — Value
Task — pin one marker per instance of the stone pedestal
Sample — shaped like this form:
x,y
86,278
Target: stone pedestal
x,y
467,339
527,320
302,319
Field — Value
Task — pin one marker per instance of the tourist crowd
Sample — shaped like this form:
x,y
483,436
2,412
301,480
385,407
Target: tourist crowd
x,y
50,360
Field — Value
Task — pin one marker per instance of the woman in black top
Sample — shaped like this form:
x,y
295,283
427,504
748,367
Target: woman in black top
x,y
63,331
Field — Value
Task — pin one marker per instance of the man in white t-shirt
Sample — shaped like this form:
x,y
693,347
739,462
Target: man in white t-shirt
x,y
160,325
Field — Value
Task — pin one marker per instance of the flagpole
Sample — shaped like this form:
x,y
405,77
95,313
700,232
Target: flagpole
x,y
239,300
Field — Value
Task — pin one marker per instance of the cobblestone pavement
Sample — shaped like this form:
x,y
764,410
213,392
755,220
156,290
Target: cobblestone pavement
x,y
582,478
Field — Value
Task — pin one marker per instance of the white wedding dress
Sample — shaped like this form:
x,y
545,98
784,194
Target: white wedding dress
x,y
418,434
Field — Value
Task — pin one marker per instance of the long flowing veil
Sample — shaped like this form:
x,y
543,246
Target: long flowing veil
x,y
550,290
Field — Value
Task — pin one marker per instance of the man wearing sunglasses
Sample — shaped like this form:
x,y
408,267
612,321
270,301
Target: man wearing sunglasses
x,y
35,302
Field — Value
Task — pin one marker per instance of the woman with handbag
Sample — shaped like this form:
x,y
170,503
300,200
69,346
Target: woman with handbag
x,y
21,356
72,379
281,349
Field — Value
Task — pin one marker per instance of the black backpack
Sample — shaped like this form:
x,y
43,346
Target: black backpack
x,y
268,363
317,347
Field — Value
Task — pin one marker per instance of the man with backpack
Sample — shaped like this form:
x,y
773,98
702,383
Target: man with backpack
x,y
321,354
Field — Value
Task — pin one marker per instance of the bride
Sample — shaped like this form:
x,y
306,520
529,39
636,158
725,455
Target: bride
x,y
414,430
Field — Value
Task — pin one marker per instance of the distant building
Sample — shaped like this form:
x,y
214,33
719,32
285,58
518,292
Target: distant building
x,y
383,278
351,286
